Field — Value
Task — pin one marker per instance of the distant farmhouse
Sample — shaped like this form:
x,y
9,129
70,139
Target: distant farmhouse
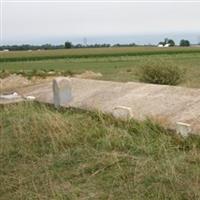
x,y
160,45
164,45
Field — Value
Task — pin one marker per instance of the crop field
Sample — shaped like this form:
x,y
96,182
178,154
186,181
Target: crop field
x,y
92,52
117,64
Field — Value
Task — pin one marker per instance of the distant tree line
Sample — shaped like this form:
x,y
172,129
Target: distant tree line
x,y
30,47
171,43
69,45
124,45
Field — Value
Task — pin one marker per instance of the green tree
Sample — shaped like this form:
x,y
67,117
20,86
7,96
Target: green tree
x,y
184,43
168,41
163,43
68,45
171,43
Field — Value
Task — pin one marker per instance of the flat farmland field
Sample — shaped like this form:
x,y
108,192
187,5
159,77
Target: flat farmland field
x,y
116,64
92,52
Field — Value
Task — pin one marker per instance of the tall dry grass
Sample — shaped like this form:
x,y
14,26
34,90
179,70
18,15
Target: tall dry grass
x,y
71,154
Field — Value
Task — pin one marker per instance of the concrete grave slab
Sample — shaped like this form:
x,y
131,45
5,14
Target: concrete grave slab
x,y
169,103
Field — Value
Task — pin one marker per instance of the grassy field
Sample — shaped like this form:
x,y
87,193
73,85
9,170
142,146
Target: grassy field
x,y
71,154
117,64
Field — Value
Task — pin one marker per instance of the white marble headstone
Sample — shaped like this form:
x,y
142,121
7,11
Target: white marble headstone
x,y
62,91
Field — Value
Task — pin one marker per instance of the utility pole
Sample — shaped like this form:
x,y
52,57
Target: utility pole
x,y
85,41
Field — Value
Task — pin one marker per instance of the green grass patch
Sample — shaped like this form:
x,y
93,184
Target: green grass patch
x,y
73,154
121,68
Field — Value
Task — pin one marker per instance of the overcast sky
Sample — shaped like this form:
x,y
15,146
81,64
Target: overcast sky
x,y
41,22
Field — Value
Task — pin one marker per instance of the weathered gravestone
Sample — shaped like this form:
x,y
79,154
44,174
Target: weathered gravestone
x,y
122,112
62,92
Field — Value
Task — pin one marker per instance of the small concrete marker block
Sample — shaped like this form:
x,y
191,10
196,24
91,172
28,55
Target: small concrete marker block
x,y
30,98
183,129
122,112
12,96
62,92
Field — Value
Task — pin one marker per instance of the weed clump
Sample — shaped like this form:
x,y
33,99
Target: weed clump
x,y
4,73
67,73
163,74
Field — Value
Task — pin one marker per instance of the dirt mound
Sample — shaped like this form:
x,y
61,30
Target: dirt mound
x,y
89,75
13,81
